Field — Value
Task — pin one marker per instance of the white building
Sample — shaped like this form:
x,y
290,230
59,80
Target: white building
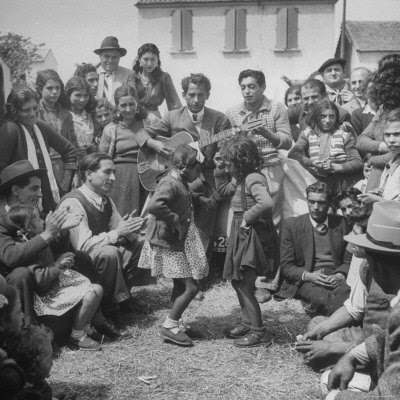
x,y
44,60
220,38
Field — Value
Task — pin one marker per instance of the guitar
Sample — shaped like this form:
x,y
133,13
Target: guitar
x,y
152,165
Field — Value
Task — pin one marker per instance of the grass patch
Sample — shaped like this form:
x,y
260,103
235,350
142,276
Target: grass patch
x,y
212,369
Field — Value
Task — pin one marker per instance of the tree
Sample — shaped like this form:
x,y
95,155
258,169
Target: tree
x,y
19,53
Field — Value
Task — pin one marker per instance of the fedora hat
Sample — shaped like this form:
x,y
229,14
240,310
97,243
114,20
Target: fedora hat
x,y
17,171
331,61
110,43
383,229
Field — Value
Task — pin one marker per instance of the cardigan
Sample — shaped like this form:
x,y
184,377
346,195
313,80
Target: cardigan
x,y
152,96
171,199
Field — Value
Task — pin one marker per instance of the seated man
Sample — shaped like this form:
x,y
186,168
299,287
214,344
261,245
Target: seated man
x,y
103,234
203,124
379,354
314,260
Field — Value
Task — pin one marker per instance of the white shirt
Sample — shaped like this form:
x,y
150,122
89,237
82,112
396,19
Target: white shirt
x,y
199,122
81,237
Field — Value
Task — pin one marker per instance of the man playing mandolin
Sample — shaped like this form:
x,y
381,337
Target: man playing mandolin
x,y
205,126
273,135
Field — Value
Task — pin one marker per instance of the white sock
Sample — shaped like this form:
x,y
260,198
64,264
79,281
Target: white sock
x,y
172,325
79,335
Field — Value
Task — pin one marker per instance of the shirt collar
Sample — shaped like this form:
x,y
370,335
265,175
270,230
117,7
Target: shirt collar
x,y
98,200
314,224
331,90
368,110
200,115
102,71
265,105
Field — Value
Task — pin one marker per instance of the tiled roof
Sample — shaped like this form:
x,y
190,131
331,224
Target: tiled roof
x,y
374,35
155,3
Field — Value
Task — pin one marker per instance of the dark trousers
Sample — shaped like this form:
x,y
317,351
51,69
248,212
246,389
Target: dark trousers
x,y
23,280
319,300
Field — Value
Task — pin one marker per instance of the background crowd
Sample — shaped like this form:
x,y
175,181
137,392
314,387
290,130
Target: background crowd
x,y
96,186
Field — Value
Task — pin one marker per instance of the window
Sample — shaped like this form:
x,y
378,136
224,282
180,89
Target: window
x,y
235,30
182,30
287,28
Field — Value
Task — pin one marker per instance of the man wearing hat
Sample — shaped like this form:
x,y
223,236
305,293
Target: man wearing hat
x,y
111,75
338,88
380,353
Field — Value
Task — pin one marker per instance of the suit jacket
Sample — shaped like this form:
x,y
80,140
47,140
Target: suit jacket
x,y
384,352
179,120
120,76
298,250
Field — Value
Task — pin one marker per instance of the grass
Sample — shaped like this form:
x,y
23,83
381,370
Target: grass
x,y
212,369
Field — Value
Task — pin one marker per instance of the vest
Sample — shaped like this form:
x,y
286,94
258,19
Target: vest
x,y
377,307
98,221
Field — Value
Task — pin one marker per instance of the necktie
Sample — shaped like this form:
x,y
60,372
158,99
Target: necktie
x,y
194,116
321,228
105,86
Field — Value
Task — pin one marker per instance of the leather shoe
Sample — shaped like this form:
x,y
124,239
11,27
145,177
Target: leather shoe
x,y
108,328
262,295
85,344
237,332
253,340
179,338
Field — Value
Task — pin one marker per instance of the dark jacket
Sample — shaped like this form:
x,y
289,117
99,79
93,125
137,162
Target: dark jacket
x,y
298,250
171,198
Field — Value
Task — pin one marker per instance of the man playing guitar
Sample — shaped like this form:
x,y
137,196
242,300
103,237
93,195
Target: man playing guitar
x,y
202,124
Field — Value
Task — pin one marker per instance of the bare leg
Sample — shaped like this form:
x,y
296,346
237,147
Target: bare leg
x,y
89,305
183,300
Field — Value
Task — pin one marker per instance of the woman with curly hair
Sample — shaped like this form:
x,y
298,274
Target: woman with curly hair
x,y
327,151
152,83
253,240
386,84
23,137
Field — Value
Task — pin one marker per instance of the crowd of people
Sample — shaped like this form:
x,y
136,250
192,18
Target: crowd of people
x,y
96,185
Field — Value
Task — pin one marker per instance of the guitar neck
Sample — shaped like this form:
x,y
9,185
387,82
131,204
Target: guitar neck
x,y
230,132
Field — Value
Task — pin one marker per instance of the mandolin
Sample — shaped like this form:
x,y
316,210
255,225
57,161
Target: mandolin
x,y
151,165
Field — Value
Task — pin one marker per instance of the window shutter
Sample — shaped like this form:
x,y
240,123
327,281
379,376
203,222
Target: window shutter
x,y
230,29
281,28
187,30
240,29
176,31
293,27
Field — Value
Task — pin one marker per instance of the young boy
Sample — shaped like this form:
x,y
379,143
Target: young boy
x,y
389,186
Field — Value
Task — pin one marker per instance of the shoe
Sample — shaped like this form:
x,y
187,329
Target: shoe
x,y
179,338
85,344
252,340
189,331
199,296
108,328
237,332
262,295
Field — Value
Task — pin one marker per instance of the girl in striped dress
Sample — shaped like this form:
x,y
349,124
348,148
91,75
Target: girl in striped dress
x,y
328,152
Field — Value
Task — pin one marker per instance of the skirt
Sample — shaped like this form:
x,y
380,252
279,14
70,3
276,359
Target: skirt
x,y
255,248
69,290
127,193
190,263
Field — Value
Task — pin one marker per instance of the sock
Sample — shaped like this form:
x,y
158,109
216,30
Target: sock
x,y
79,335
260,331
172,325
88,329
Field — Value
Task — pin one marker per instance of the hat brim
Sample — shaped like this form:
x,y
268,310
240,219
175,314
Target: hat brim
x,y
326,65
362,241
121,50
36,172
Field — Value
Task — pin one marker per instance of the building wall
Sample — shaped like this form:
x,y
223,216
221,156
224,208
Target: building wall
x,y
49,62
370,59
316,44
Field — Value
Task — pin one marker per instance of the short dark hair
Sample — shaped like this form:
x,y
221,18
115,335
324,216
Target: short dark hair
x,y
320,187
252,73
84,69
196,79
315,83
351,193
393,115
16,99
91,162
